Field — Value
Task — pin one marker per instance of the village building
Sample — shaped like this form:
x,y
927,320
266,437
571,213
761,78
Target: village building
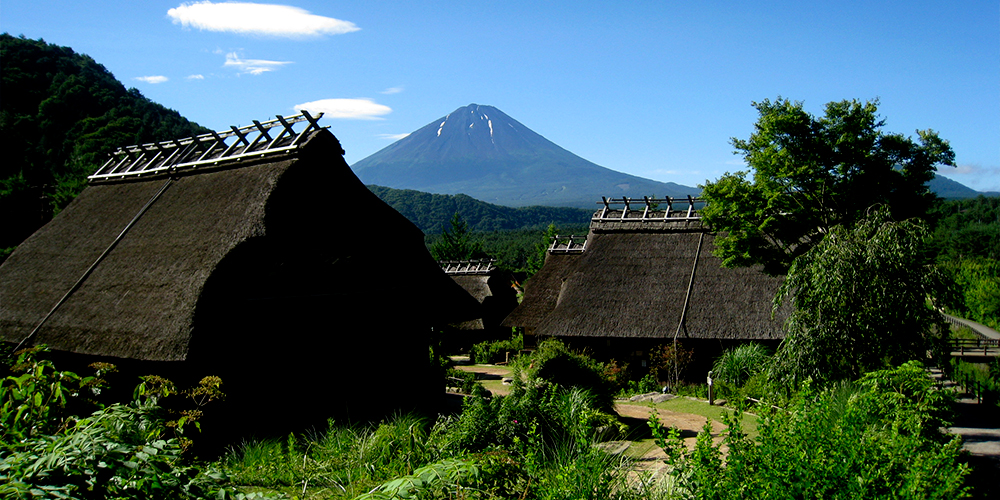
x,y
644,276
253,254
493,288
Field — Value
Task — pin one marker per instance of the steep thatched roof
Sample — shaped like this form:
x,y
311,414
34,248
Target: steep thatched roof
x,y
488,285
266,233
634,280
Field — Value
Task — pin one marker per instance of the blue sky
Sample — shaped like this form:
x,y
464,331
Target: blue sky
x,y
655,89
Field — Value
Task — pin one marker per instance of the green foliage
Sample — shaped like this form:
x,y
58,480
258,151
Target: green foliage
x,y
118,452
61,114
344,462
496,351
980,380
442,479
736,367
458,243
880,438
967,229
978,282
553,362
861,302
468,382
648,383
37,399
669,362
808,174
431,212
537,259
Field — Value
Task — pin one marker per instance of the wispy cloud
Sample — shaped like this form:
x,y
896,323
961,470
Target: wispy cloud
x,y
394,137
392,90
252,66
151,79
358,109
974,175
257,19
196,77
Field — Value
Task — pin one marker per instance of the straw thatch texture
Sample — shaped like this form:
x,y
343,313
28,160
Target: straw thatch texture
x,y
260,239
633,285
494,293
541,292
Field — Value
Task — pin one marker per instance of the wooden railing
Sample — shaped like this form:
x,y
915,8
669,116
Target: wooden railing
x,y
975,347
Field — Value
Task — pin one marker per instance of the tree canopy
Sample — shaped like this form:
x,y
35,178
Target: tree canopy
x,y
808,174
60,116
861,301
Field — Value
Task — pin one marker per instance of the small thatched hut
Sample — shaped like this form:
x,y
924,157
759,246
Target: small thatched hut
x,y
262,260
492,287
641,278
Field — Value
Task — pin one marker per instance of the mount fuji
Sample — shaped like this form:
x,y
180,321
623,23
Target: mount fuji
x,y
480,151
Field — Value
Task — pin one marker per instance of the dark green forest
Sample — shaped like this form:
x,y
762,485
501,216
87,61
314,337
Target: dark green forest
x,y
431,212
60,116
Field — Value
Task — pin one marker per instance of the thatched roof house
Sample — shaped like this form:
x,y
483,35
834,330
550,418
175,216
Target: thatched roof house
x,y
490,286
247,254
646,274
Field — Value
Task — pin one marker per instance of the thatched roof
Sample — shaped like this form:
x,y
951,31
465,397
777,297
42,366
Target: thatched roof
x,y
271,233
487,284
634,279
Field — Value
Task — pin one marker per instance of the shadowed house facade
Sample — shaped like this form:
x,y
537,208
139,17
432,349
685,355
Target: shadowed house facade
x,y
491,287
640,278
255,255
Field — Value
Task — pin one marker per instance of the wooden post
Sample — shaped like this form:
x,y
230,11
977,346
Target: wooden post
x,y
711,396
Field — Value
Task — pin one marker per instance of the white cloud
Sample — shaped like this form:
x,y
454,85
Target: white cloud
x,y
974,175
392,90
359,109
152,79
252,66
196,77
394,137
257,19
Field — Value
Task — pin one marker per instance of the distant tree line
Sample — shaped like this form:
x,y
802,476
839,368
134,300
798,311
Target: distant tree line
x,y
432,213
60,116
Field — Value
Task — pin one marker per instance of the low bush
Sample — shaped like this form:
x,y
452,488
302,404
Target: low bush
x,y
496,351
880,437
555,363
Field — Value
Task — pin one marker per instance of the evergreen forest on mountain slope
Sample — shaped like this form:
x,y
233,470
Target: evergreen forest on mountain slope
x,y
61,114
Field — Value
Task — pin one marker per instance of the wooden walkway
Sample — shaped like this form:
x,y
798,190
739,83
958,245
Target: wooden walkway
x,y
987,343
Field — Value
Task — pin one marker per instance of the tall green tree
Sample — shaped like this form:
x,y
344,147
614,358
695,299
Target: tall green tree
x,y
537,259
457,244
864,299
808,174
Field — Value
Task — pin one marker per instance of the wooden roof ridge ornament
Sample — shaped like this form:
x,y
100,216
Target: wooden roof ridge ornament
x,y
568,244
473,266
205,150
652,212
657,214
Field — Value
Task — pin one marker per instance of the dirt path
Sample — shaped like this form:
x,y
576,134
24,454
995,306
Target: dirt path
x,y
688,423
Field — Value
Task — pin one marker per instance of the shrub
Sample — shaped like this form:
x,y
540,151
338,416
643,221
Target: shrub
x,y
555,363
737,365
669,362
495,351
878,438
37,399
118,452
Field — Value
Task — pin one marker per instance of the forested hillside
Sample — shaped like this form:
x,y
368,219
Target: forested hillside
x,y
432,212
966,241
60,115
